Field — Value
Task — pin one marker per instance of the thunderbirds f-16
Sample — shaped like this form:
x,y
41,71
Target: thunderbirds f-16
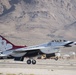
x,y
19,52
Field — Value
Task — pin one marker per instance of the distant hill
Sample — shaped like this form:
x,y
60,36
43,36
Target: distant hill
x,y
37,21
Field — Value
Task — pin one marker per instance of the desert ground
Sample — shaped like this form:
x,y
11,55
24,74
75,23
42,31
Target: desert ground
x,y
43,67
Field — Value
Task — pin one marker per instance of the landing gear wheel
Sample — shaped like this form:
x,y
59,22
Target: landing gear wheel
x,y
29,61
56,58
33,61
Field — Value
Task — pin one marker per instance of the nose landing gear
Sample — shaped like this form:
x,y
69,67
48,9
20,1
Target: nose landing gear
x,y
56,58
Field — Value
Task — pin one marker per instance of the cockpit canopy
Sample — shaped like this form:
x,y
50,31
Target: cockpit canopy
x,y
58,41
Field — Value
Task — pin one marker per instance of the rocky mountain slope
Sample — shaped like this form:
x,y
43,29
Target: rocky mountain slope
x,y
36,21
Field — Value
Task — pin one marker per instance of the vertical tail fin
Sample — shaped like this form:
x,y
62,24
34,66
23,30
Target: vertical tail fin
x,y
7,45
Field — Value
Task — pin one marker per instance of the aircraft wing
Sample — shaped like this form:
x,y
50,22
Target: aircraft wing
x,y
26,49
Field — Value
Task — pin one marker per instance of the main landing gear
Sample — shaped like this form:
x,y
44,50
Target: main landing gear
x,y
56,58
31,61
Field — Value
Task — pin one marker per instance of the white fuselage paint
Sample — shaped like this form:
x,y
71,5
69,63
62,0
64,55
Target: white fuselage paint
x,y
5,49
4,45
49,50
12,53
18,54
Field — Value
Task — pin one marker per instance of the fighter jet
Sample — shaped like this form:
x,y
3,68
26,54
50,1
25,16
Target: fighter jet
x,y
19,52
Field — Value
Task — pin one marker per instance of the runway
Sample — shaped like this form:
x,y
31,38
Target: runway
x,y
41,63
43,66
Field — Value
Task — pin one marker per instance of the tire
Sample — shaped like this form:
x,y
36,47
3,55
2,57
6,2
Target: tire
x,y
28,61
33,61
56,58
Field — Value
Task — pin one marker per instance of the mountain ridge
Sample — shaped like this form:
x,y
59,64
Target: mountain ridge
x,y
37,20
